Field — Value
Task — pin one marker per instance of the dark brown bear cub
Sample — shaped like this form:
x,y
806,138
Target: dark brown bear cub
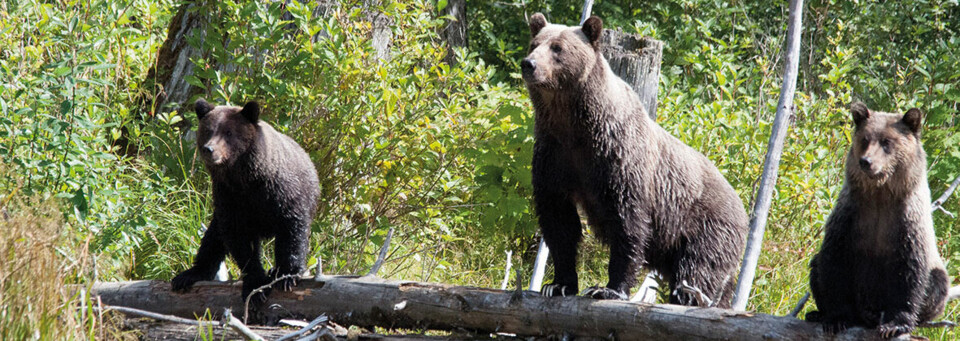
x,y
264,185
878,266
654,200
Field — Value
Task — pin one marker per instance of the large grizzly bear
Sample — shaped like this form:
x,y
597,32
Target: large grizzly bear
x,y
878,266
264,185
654,200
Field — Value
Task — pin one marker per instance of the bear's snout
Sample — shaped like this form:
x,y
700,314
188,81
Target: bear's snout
x,y
211,154
528,65
871,167
865,163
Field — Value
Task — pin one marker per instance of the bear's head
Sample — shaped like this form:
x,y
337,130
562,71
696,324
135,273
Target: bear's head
x,y
561,56
885,145
225,133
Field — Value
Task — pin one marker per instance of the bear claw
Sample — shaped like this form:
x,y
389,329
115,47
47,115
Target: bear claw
x,y
602,293
554,290
285,284
889,330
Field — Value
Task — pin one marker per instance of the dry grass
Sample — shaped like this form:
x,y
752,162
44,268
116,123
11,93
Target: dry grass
x,y
37,262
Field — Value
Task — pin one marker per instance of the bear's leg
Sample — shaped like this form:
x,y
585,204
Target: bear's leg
x,y
831,287
936,298
903,294
622,271
246,252
211,253
625,239
290,252
561,229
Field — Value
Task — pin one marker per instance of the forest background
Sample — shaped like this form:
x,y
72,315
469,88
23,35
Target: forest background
x,y
439,152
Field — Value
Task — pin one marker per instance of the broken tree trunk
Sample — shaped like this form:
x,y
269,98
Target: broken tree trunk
x,y
455,31
636,59
369,302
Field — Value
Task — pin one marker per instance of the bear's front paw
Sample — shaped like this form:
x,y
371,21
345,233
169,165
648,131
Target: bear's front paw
x,y
814,316
554,290
285,284
185,280
603,293
891,329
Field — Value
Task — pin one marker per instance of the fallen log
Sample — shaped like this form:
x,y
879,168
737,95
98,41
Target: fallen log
x,y
368,302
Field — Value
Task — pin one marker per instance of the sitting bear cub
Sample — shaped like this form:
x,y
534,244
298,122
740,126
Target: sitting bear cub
x,y
264,185
654,200
878,266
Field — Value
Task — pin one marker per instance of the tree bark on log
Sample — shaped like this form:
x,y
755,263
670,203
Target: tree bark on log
x,y
369,302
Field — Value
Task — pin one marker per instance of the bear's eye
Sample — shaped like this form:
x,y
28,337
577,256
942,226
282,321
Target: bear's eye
x,y
556,48
885,144
227,133
533,46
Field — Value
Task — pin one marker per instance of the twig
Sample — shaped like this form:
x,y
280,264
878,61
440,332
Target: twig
x,y
938,324
768,180
322,319
506,272
648,289
954,293
803,301
536,281
246,303
383,254
319,275
155,316
324,334
938,204
587,8
233,322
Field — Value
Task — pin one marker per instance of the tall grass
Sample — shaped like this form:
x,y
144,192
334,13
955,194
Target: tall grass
x,y
37,261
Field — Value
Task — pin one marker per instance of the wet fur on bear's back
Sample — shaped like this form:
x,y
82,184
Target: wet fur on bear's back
x,y
878,266
654,200
264,186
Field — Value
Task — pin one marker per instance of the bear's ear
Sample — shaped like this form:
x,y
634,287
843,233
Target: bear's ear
x,y
859,112
251,111
913,119
593,27
537,23
201,107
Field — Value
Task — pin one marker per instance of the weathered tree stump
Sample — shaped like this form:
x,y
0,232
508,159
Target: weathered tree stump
x,y
636,59
455,31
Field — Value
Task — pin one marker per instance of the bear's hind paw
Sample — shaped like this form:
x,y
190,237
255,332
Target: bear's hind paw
x,y
603,293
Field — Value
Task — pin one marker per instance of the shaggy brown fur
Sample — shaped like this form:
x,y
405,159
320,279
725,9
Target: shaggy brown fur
x,y
264,185
654,200
878,266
